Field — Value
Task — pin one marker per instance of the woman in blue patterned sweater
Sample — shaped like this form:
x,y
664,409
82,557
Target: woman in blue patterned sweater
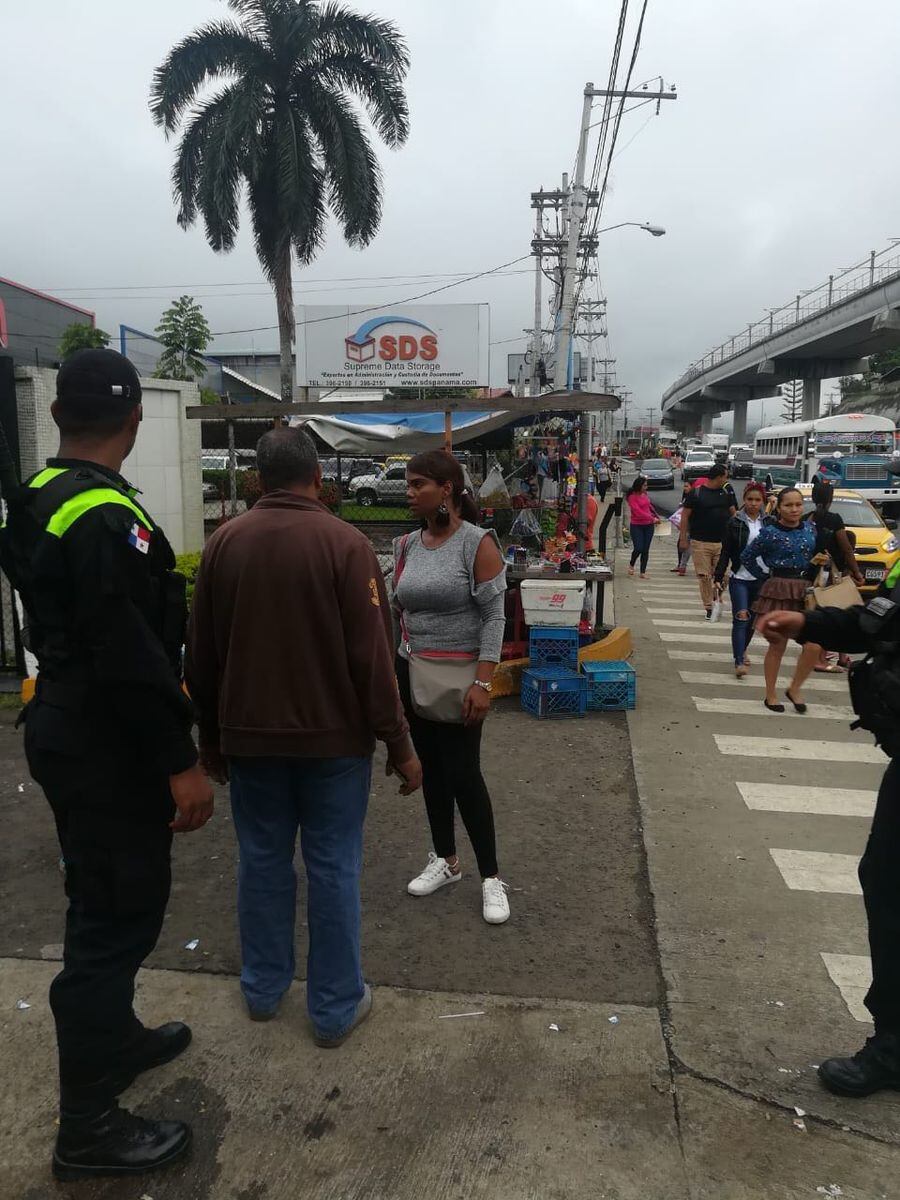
x,y
782,555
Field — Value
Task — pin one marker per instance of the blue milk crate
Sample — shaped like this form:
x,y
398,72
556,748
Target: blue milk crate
x,y
611,685
552,692
553,646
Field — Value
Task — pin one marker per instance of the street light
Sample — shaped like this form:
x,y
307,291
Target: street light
x,y
653,230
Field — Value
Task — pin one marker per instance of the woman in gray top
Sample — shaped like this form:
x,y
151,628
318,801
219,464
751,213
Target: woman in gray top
x,y
450,584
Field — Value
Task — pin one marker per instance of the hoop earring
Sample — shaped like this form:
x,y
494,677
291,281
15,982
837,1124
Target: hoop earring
x,y
443,510
442,519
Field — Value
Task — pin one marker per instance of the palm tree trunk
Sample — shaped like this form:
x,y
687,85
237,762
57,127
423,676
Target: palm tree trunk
x,y
284,299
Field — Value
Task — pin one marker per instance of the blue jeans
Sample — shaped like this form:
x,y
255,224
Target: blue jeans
x,y
641,537
743,593
326,798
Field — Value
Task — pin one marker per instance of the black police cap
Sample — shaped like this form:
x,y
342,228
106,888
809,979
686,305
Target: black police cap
x,y
98,383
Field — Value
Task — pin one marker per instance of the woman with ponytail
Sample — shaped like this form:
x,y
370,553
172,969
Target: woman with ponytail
x,y
449,584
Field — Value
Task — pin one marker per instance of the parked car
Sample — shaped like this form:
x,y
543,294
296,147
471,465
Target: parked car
x,y
217,460
877,547
658,472
740,466
385,487
697,463
351,469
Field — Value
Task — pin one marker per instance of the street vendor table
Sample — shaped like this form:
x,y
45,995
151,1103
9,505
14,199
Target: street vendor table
x,y
595,579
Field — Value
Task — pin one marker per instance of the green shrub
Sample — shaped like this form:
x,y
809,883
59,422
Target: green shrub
x,y
188,565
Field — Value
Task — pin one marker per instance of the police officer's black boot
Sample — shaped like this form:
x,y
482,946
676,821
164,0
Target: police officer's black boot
x,y
115,1142
153,1048
872,1069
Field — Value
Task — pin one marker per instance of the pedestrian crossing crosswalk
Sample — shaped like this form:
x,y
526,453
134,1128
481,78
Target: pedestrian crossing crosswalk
x,y
822,801
750,708
785,767
818,871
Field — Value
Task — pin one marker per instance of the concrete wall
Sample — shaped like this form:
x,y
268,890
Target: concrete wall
x,y
165,463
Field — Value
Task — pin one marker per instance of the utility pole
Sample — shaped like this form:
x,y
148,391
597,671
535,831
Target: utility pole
x,y
538,276
576,212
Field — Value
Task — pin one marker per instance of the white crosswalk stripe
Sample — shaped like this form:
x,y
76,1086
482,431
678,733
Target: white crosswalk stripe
x,y
755,708
851,974
821,801
701,622
816,871
799,748
719,679
695,618
698,656
710,635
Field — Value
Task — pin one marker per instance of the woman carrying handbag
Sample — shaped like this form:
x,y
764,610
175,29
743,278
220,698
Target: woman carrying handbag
x,y
449,584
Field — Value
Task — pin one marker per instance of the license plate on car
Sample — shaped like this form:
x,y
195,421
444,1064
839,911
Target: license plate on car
x,y
876,573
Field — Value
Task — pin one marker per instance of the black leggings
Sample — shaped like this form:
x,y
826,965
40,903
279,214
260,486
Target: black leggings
x,y
451,778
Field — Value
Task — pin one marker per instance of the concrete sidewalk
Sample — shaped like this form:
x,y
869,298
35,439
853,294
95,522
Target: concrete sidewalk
x,y
494,1107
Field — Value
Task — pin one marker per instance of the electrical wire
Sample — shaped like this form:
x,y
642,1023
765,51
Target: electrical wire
x,y
302,281
360,311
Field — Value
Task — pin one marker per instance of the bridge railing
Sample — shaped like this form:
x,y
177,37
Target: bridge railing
x,y
850,281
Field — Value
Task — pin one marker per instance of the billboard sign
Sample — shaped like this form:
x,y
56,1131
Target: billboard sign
x,y
436,345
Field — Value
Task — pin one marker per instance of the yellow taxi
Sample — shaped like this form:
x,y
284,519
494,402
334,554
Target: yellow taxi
x,y
877,546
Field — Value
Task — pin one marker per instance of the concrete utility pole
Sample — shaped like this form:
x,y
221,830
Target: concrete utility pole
x,y
576,213
538,276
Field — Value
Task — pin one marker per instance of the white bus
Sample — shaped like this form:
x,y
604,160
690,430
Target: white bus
x,y
850,451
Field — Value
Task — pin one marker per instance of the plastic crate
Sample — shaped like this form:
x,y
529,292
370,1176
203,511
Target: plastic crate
x,y
552,692
549,646
611,685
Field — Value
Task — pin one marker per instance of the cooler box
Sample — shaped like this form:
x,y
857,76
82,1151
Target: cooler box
x,y
553,601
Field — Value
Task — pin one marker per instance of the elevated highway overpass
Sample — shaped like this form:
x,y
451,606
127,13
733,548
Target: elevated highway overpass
x,y
825,332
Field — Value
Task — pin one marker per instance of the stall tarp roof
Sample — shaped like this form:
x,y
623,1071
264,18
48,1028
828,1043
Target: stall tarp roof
x,y
367,433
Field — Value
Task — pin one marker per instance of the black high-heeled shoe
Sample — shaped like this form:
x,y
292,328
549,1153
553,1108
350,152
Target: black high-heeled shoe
x,y
773,707
798,706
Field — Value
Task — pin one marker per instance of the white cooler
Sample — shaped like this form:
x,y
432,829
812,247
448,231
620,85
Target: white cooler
x,y
556,601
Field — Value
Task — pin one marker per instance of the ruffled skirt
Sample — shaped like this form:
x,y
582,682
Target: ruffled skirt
x,y
787,594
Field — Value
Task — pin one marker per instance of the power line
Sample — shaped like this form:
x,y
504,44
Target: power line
x,y
301,280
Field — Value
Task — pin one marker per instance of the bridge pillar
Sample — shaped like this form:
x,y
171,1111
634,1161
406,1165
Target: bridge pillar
x,y
739,430
812,398
706,423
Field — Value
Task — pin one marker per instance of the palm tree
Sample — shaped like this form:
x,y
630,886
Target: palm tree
x,y
284,129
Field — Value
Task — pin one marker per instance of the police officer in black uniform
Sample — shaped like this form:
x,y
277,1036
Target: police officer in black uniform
x,y
108,738
875,691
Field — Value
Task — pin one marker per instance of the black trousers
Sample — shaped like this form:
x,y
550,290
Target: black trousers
x,y
879,875
602,488
112,818
451,779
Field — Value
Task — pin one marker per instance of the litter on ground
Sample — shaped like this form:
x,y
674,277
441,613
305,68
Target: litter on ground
x,y
452,1016
192,944
21,1005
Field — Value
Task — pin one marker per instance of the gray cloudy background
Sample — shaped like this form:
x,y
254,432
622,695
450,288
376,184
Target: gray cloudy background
x,y
776,165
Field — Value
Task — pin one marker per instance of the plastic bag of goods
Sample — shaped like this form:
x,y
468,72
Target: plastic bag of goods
x,y
526,526
494,493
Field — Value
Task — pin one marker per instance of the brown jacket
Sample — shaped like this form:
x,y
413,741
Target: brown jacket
x,y
289,642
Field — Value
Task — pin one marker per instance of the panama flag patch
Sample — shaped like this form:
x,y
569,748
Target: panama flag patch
x,y
139,538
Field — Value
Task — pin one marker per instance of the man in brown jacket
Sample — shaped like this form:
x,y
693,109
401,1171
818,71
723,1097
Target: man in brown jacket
x,y
290,667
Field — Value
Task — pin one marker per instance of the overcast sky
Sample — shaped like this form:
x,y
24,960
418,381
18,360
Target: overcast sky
x,y
776,165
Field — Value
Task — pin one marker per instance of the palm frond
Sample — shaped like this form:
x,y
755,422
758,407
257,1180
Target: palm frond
x,y
342,31
219,48
218,192
354,177
379,89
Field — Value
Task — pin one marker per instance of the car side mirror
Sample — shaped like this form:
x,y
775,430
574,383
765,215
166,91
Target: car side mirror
x,y
890,522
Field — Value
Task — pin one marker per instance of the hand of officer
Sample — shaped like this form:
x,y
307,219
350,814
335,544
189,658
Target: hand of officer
x,y
410,772
214,763
193,798
779,624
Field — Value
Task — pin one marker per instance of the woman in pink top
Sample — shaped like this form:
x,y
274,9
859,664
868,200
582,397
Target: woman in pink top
x,y
644,519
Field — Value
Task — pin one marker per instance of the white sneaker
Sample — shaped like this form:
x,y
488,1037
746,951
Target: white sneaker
x,y
435,875
495,906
